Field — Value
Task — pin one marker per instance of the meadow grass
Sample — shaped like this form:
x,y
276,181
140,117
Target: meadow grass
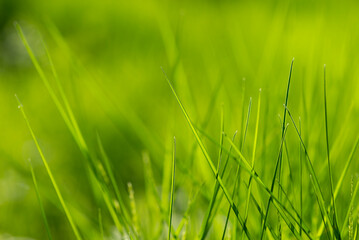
x,y
206,183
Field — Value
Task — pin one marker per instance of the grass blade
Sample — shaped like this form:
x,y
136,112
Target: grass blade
x,y
172,189
205,153
349,208
253,158
313,178
335,218
205,226
47,167
238,168
279,161
40,202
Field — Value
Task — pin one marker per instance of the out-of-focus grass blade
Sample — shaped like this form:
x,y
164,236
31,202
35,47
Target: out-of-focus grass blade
x,y
47,167
110,174
131,194
100,224
40,202
349,209
172,188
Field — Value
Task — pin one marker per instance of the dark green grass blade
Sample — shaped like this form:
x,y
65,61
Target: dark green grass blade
x,y
313,178
243,163
279,161
238,168
49,172
205,226
217,203
335,218
40,202
172,189
278,204
341,179
272,186
205,153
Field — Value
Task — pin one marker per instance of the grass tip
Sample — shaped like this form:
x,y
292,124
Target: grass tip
x,y
18,100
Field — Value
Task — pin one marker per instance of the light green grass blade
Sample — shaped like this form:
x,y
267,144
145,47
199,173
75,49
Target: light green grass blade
x,y
280,207
40,202
253,158
135,223
344,228
205,153
47,167
185,217
238,168
205,226
335,218
172,189
44,79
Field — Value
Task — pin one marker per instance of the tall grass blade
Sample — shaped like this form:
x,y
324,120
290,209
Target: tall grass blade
x,y
279,161
49,172
253,158
238,168
335,218
205,227
205,153
313,179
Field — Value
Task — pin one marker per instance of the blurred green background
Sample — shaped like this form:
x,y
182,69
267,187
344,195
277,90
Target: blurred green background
x,y
108,56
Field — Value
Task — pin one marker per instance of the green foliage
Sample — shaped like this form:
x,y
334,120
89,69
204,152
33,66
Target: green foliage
x,y
100,113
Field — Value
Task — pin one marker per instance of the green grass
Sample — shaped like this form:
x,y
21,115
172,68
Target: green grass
x,y
99,117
